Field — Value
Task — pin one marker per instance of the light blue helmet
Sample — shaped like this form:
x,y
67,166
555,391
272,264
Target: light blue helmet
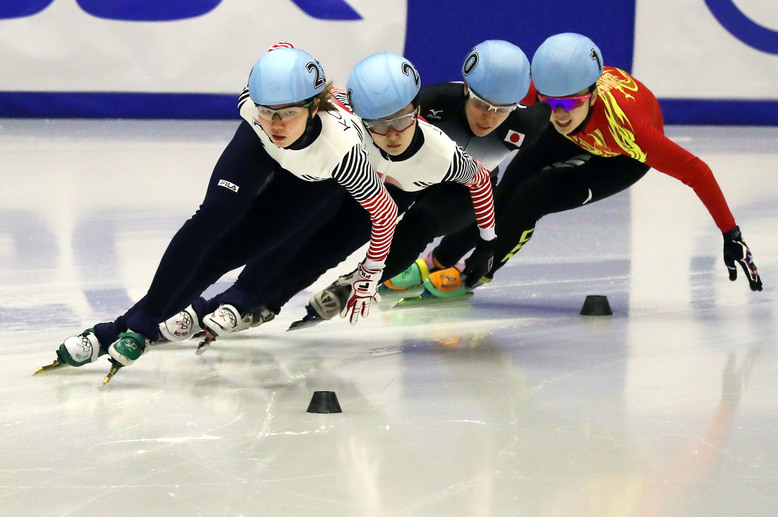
x,y
285,76
566,64
498,71
382,84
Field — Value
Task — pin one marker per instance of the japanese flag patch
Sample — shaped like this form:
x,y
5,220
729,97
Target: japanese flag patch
x,y
228,185
514,138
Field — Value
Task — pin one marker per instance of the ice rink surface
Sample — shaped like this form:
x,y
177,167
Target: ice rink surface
x,y
510,403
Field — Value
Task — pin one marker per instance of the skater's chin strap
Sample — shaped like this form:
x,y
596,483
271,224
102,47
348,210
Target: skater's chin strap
x,y
582,125
311,133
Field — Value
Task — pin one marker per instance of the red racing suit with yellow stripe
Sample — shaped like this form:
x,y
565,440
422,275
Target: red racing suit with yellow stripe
x,y
619,141
627,120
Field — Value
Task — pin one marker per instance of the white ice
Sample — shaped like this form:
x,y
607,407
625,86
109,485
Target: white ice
x,y
508,404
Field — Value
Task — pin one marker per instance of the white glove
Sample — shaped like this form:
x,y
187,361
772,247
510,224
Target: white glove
x,y
363,283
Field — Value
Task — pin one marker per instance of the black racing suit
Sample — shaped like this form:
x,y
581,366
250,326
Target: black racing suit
x,y
445,208
552,176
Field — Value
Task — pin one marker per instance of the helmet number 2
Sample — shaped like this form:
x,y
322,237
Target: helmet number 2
x,y
410,71
318,74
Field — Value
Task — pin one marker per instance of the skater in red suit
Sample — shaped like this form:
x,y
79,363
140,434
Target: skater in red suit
x,y
606,132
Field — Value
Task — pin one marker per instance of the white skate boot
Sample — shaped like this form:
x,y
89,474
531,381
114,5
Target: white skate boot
x,y
226,319
180,327
76,351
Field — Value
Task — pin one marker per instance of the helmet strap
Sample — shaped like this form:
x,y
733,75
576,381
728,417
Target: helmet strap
x,y
313,107
310,133
593,91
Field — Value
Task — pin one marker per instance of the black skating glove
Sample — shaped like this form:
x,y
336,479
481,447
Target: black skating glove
x,y
479,263
736,250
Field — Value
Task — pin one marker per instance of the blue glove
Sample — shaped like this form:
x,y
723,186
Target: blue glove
x,y
735,249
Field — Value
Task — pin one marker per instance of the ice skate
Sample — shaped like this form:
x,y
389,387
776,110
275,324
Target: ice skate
x,y
180,327
226,319
251,319
259,316
310,319
443,285
411,277
125,351
76,351
323,306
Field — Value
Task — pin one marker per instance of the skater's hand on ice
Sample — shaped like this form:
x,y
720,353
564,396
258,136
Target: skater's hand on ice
x,y
736,250
364,285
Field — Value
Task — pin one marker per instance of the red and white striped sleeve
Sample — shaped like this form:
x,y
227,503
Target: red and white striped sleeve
x,y
469,171
383,216
358,177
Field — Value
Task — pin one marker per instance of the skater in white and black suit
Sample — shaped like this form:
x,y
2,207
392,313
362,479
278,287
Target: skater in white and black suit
x,y
488,125
408,153
292,160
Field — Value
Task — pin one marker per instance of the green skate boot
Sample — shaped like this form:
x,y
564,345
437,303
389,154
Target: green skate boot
x,y
76,351
446,283
443,285
125,351
411,277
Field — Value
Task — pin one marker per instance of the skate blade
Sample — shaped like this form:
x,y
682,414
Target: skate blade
x,y
427,298
203,347
47,368
391,297
205,344
115,367
302,324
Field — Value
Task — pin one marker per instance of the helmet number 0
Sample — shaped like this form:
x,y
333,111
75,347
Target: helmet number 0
x,y
318,77
596,57
470,63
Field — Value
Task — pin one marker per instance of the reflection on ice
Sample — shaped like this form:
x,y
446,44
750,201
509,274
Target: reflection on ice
x,y
508,403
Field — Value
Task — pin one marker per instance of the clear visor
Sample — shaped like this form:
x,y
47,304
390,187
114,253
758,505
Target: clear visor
x,y
380,126
284,113
482,104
